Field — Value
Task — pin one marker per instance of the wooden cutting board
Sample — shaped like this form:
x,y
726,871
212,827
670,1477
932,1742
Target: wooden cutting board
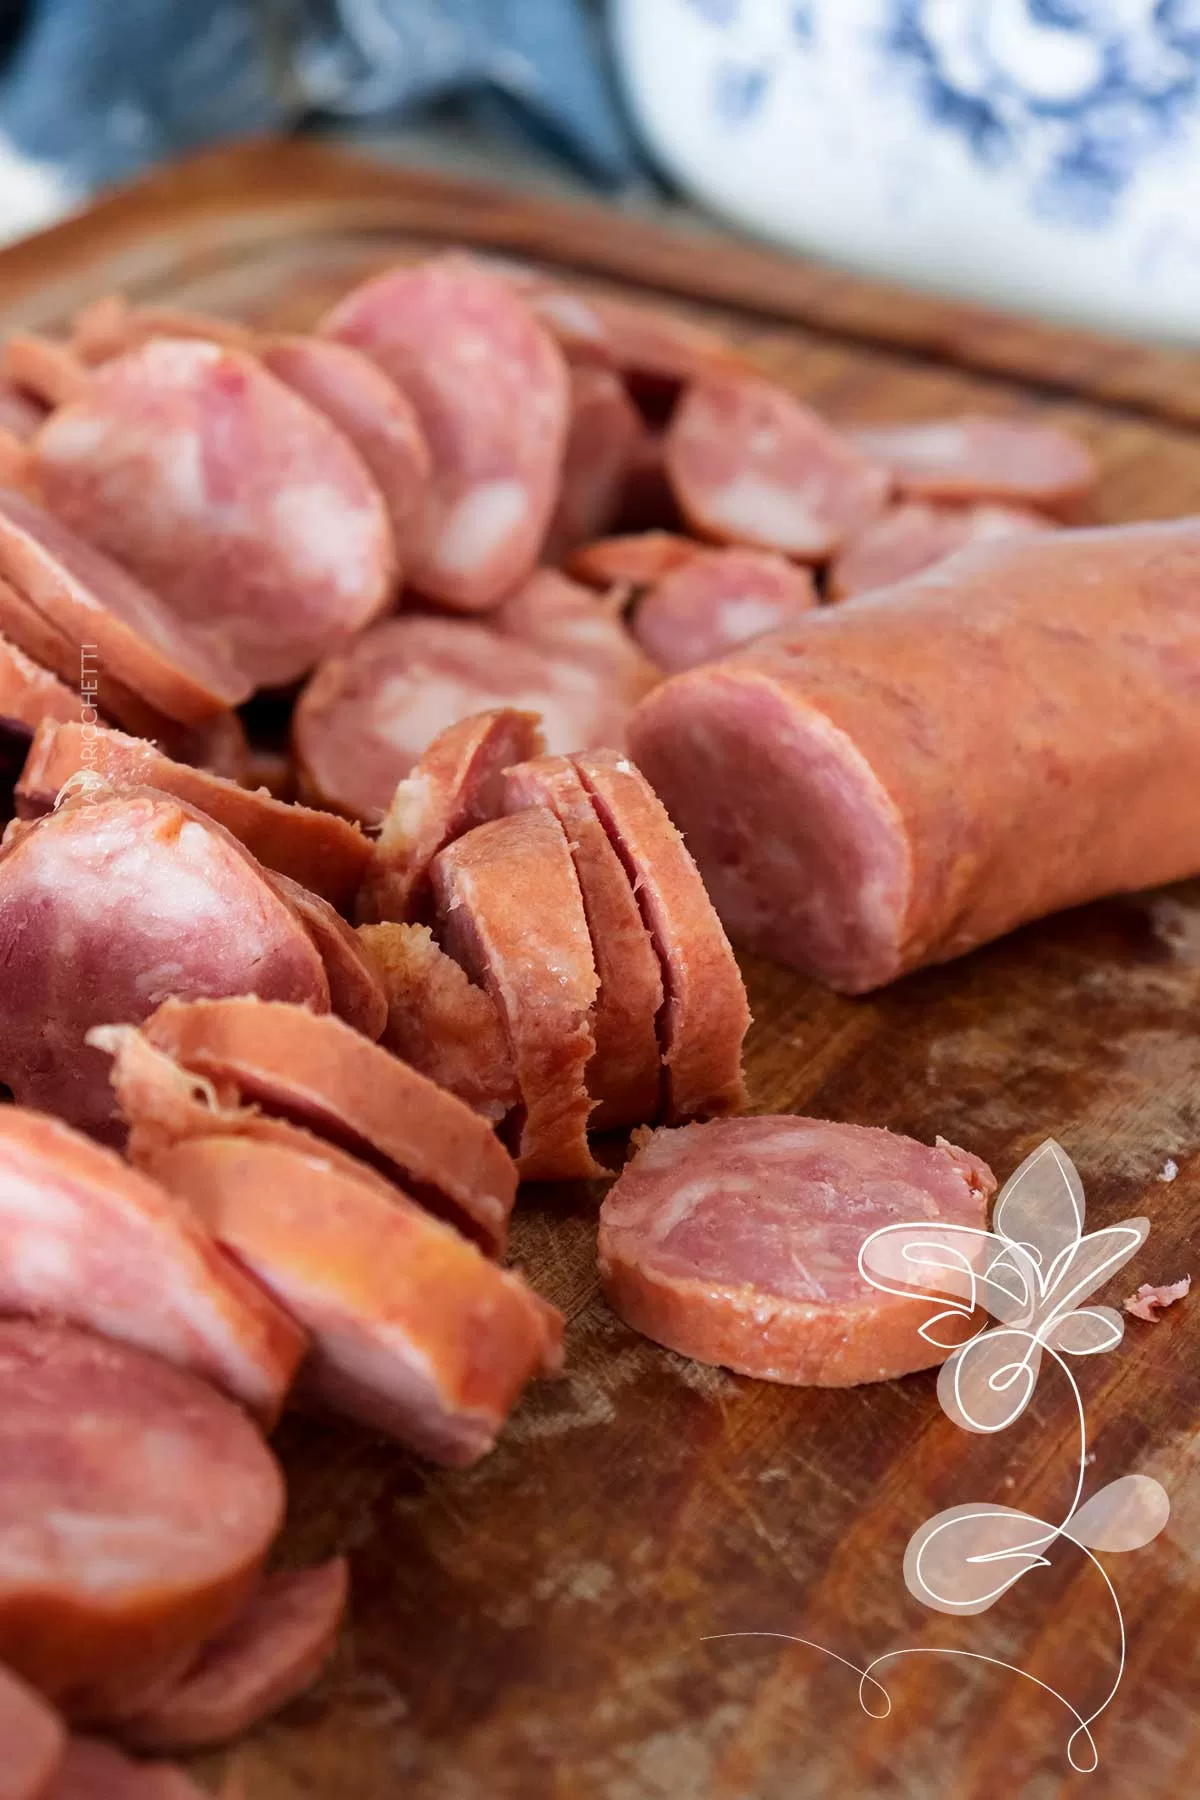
x,y
541,1625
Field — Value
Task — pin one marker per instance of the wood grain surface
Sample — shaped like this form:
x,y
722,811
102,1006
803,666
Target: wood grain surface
x,y
544,1624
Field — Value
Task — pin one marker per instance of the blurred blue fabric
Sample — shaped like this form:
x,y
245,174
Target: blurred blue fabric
x,y
99,88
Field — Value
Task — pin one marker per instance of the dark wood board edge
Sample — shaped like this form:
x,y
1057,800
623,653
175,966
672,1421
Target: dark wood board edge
x,y
289,187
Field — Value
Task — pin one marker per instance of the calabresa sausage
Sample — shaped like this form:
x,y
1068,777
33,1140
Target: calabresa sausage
x,y
906,777
979,456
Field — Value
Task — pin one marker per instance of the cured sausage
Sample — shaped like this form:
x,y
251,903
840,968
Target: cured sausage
x,y
90,1241
109,905
118,1567
29,694
37,365
717,601
491,394
624,1077
274,1650
367,715
841,786
324,854
705,1015
415,1333
751,464
570,623
370,410
355,992
981,457
737,1243
440,1022
92,1770
454,786
317,1071
912,537
512,914
635,560
32,1739
604,435
245,509
89,601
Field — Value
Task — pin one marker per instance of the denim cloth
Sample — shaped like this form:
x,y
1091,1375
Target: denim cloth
x,y
98,88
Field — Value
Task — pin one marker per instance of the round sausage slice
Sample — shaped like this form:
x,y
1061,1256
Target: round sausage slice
x,y
439,1021
415,1333
136,1508
490,390
319,1072
981,457
604,436
274,1650
90,1241
751,464
30,694
718,601
705,1015
572,624
130,633
372,414
324,854
367,715
455,786
92,1770
355,992
914,536
624,1077
737,1243
32,1738
232,498
635,560
510,911
109,905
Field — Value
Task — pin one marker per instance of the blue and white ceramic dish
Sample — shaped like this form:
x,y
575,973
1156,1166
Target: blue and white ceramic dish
x,y
1043,154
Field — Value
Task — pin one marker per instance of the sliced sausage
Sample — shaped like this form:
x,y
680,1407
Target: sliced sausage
x,y
90,1241
367,715
317,1071
136,1507
751,464
274,1650
440,1022
92,1770
415,1333
37,365
913,536
903,778
29,693
737,1243
355,992
32,1739
705,1015
511,913
232,498
327,855
980,457
490,390
131,634
604,435
718,601
370,410
109,905
567,621
624,1077
637,559
454,786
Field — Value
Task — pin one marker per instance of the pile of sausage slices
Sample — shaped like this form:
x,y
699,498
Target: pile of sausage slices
x,y
332,907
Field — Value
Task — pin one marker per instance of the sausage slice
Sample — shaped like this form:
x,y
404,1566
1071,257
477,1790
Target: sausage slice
x,y
716,602
603,438
510,911
415,1333
635,559
705,1015
355,991
274,1650
912,537
136,1508
737,1243
320,1073
980,457
29,693
32,1738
